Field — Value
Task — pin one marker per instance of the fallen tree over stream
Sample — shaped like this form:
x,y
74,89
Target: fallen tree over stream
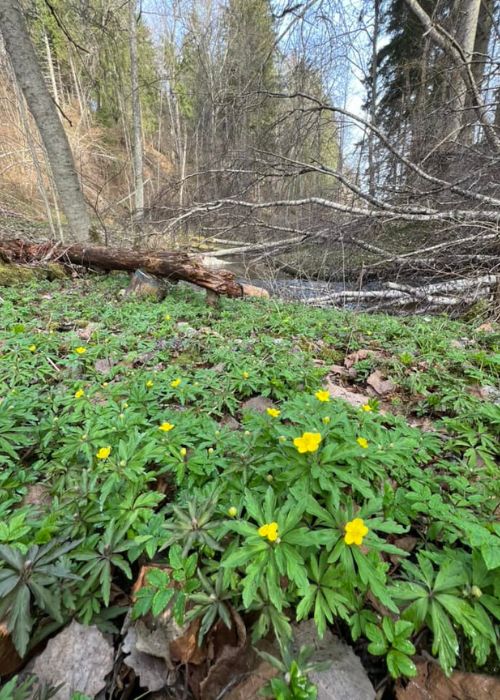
x,y
170,265
431,297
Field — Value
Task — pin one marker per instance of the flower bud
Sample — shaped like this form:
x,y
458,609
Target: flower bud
x,y
476,591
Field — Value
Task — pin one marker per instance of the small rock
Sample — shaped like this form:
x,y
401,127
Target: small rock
x,y
146,286
346,679
259,404
79,657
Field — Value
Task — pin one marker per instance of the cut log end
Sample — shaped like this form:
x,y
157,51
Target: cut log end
x,y
251,291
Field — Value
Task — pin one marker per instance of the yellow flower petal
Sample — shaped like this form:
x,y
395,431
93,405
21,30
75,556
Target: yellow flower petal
x,y
362,442
309,442
150,383
80,350
166,427
103,453
366,407
245,375
355,531
79,394
32,348
175,383
263,530
272,532
273,412
322,395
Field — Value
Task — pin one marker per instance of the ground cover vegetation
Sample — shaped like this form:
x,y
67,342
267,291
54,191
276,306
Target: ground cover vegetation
x,y
116,450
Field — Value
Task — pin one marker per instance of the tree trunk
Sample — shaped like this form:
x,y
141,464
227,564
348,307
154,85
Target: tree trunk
x,y
137,150
171,265
467,23
29,76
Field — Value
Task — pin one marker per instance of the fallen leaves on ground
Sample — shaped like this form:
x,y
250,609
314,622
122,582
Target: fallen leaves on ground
x,y
431,684
379,384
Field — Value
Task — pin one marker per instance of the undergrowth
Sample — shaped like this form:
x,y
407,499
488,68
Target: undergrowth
x,y
116,451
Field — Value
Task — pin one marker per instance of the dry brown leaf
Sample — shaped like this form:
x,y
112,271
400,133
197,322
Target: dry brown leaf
x,y
353,357
432,684
338,392
86,333
338,369
227,649
249,688
485,328
377,382
103,366
185,648
10,661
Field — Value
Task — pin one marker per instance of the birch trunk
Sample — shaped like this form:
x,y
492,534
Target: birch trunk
x,y
30,79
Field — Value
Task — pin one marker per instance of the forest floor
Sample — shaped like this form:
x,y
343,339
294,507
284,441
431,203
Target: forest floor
x,y
243,468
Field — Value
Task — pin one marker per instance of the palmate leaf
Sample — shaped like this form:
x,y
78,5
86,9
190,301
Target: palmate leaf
x,y
251,583
445,642
12,557
45,599
7,582
20,621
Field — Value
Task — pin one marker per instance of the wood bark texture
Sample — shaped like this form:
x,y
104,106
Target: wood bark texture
x,y
171,265
41,105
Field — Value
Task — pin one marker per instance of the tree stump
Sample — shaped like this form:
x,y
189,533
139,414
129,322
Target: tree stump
x,y
145,286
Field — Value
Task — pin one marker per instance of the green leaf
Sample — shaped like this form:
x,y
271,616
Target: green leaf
x,y
445,642
157,577
161,599
20,621
400,665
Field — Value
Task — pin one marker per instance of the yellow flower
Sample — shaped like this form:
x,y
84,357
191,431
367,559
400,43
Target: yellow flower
x,y
80,350
183,452
150,383
245,375
32,348
166,427
309,442
167,317
79,394
326,419
175,383
355,531
362,442
322,395
273,412
269,530
103,453
232,512
366,407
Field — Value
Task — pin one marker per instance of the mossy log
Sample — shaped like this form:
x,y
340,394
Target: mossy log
x,y
169,265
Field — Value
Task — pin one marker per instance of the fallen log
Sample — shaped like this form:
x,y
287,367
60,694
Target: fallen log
x,y
463,292
170,265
